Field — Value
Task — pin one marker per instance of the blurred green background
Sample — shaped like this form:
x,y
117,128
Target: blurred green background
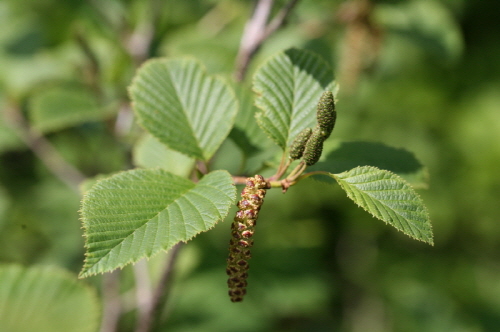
x,y
423,75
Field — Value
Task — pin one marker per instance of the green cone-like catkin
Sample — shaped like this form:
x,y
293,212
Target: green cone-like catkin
x,y
314,147
299,144
242,230
326,113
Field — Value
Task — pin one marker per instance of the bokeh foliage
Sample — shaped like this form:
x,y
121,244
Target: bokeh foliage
x,y
430,85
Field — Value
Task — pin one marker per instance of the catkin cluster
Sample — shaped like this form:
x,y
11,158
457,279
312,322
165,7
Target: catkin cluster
x,y
242,230
308,144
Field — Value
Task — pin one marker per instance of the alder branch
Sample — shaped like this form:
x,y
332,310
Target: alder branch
x,y
361,45
112,303
138,43
150,317
143,291
257,30
280,18
135,40
43,149
92,71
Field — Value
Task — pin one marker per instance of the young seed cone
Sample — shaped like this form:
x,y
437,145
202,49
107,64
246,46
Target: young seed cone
x,y
314,147
299,144
326,113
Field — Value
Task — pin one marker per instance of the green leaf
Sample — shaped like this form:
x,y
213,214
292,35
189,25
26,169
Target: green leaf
x,y
246,132
387,197
138,213
289,86
150,153
62,106
257,148
183,107
45,299
88,183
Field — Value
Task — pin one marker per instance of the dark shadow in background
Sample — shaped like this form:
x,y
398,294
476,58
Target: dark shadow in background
x,y
353,154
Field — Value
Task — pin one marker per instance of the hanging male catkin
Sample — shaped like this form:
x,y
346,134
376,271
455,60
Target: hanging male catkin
x,y
242,230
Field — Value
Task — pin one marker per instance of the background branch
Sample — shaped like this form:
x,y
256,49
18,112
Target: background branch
x,y
43,149
143,290
280,18
150,316
112,302
361,45
257,31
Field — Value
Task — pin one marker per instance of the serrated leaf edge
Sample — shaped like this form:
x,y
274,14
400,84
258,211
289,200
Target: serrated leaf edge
x,y
404,182
204,71
333,87
86,273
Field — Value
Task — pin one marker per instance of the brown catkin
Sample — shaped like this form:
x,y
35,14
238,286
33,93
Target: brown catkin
x,y
242,230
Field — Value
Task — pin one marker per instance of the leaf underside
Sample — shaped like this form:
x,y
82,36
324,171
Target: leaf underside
x,y
387,197
183,107
138,213
289,86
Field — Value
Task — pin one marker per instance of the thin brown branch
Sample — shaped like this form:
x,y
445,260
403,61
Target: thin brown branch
x,y
361,45
151,317
92,71
112,303
252,37
135,40
257,30
283,167
43,149
143,290
138,42
280,18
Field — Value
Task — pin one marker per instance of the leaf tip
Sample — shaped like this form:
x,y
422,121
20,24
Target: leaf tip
x,y
389,198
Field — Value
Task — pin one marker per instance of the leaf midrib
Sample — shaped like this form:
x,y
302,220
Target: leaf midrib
x,y
109,250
